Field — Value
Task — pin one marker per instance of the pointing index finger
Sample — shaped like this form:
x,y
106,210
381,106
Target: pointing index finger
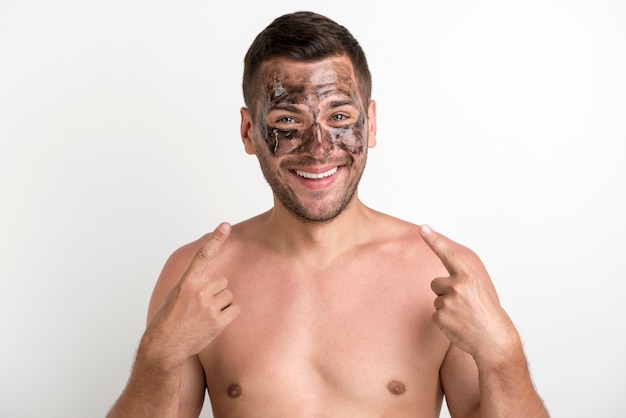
x,y
214,242
209,248
444,249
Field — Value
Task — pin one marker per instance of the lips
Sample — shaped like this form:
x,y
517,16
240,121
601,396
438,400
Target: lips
x,y
314,176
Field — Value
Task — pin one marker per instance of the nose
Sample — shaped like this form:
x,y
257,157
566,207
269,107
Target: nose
x,y
316,142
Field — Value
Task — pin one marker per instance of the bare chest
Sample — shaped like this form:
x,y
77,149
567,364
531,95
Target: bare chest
x,y
360,335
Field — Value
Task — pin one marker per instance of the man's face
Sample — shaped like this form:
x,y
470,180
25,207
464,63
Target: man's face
x,y
311,134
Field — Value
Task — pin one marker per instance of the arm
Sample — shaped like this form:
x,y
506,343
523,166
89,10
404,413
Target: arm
x,y
468,312
167,379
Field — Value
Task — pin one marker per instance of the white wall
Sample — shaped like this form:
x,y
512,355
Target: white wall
x,y
502,124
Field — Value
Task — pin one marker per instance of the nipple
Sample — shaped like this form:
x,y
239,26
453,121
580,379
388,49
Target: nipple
x,y
396,387
234,391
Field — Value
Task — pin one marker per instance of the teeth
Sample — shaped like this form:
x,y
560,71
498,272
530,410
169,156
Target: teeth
x,y
308,175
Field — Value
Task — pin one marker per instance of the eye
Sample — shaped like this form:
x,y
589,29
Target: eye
x,y
340,119
288,120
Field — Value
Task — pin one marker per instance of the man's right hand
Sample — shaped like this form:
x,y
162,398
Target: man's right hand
x,y
194,313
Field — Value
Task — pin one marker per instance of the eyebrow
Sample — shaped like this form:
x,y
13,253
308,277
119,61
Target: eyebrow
x,y
281,99
289,107
339,103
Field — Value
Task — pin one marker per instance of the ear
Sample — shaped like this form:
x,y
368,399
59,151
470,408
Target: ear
x,y
371,124
246,131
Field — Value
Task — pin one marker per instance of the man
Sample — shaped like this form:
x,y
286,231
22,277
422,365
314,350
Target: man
x,y
322,306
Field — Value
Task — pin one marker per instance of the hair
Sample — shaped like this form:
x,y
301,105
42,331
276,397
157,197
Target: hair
x,y
302,36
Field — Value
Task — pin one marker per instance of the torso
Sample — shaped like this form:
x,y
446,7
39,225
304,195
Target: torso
x,y
351,339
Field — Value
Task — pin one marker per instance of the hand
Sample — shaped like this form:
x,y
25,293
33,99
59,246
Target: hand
x,y
195,312
467,309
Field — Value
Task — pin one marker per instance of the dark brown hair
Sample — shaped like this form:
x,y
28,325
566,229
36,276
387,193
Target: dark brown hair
x,y
302,36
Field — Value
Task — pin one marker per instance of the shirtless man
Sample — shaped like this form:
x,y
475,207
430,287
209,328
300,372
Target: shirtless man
x,y
321,306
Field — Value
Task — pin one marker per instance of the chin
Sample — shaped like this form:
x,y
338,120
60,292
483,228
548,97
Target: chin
x,y
321,215
316,219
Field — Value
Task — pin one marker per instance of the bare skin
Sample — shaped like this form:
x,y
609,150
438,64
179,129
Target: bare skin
x,y
323,330
322,306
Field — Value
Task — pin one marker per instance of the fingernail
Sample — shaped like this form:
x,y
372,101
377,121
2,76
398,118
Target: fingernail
x,y
426,230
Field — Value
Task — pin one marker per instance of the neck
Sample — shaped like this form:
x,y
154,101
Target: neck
x,y
318,241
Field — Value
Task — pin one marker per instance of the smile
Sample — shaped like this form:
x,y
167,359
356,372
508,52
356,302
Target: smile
x,y
308,175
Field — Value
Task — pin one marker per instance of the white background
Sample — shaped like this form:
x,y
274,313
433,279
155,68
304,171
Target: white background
x,y
502,124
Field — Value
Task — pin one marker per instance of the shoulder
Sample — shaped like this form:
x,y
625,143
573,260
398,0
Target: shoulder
x,y
399,242
404,238
173,270
239,241
389,233
391,229
181,257
241,234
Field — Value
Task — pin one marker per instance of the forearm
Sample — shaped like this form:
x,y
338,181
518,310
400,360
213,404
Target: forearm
x,y
152,390
506,388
